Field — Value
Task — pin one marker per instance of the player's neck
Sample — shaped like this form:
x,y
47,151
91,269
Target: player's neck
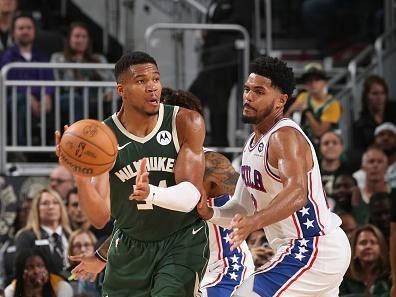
x,y
137,123
266,124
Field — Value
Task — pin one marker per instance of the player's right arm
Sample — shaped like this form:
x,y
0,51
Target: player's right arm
x,y
94,194
240,203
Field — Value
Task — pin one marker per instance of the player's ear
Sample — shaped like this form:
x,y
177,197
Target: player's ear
x,y
120,89
282,100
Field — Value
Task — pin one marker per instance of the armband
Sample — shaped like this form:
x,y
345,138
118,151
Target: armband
x,y
181,197
100,257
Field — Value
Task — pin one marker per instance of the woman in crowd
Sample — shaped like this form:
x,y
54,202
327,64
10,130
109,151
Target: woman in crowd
x,y
34,277
369,272
331,163
376,109
48,228
78,49
83,242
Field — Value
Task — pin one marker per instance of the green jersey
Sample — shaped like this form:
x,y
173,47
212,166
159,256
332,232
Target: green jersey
x,y
139,219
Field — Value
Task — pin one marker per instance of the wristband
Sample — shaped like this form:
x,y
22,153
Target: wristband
x,y
100,257
180,197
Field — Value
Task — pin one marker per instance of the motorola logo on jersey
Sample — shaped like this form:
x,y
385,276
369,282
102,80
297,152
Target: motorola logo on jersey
x,y
164,137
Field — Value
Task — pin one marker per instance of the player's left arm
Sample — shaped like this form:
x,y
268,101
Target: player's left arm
x,y
189,168
290,153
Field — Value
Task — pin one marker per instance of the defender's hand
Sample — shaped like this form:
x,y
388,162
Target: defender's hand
x,y
242,226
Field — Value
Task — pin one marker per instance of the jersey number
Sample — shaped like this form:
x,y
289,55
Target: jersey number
x,y
147,205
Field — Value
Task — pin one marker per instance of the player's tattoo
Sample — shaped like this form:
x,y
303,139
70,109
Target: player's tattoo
x,y
220,173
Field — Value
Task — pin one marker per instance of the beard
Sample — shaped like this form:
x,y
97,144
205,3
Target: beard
x,y
25,42
153,113
249,120
260,116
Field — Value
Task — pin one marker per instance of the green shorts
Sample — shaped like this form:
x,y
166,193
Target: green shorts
x,y
170,267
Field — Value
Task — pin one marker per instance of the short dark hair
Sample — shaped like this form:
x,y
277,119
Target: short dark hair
x,y
20,15
71,192
181,98
281,76
132,58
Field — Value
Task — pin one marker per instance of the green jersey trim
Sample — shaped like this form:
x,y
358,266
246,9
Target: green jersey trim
x,y
137,138
174,129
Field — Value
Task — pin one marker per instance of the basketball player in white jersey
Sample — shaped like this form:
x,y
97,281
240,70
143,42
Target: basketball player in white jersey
x,y
280,190
226,268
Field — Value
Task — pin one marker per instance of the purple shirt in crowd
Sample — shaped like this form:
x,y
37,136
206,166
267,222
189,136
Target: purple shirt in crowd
x,y
13,55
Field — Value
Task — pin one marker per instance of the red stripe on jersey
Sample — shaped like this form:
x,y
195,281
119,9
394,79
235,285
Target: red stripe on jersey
x,y
308,266
295,221
316,208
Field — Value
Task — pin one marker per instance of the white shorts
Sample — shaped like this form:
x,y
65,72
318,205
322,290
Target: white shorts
x,y
311,267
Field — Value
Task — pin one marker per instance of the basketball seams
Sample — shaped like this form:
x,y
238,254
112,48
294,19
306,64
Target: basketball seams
x,y
91,143
85,163
88,149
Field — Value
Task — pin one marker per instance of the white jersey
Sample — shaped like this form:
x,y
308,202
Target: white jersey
x,y
226,269
263,184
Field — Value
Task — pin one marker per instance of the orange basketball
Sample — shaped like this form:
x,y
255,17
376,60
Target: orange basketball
x,y
88,148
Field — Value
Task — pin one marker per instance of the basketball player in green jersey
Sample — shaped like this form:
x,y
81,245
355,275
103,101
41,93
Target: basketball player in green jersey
x,y
159,244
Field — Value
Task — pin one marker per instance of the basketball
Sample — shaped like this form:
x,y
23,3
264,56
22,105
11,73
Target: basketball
x,y
88,148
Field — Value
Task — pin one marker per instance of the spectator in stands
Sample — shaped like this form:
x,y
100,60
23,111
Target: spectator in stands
x,y
35,278
385,139
349,224
259,247
7,250
78,49
369,269
7,12
83,242
220,63
376,109
374,165
47,227
78,219
379,214
320,111
61,180
331,164
23,33
348,198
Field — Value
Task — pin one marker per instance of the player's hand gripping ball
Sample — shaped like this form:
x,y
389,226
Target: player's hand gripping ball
x,y
88,148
